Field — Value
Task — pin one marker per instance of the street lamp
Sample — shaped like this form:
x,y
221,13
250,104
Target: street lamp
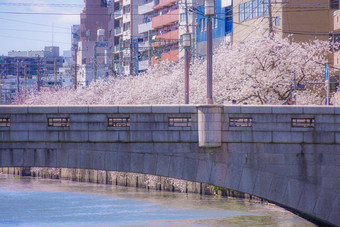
x,y
186,44
209,12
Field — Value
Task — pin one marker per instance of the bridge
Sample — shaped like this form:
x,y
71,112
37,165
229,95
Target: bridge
x,y
289,155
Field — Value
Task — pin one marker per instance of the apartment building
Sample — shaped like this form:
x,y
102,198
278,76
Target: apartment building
x,y
125,30
166,27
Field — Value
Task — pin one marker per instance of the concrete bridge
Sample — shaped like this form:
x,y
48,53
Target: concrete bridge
x,y
289,155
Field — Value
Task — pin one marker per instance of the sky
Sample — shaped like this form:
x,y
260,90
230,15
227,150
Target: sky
x,y
33,24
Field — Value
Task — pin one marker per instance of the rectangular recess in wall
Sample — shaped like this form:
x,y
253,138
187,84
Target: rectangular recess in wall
x,y
240,122
303,122
5,122
118,122
59,122
179,121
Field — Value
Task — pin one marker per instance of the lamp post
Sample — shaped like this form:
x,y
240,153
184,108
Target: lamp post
x,y
186,44
209,12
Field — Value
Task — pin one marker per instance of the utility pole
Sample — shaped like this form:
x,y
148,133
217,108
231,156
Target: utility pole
x,y
209,12
25,77
95,62
38,79
131,40
55,72
18,86
186,55
271,30
75,68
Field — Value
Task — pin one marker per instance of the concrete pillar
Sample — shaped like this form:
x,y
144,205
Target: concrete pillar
x,y
209,125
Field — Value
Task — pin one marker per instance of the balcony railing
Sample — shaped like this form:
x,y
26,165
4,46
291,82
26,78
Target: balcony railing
x,y
118,13
118,31
165,19
146,8
164,3
144,27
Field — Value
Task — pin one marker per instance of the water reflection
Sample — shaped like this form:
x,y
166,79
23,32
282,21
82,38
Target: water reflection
x,y
40,202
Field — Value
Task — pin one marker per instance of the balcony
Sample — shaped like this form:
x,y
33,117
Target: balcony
x,y
126,35
126,18
171,36
143,45
144,27
116,49
118,0
147,8
165,19
126,2
164,3
118,13
171,56
118,31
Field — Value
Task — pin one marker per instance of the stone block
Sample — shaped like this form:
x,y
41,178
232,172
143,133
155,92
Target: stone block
x,y
5,136
264,137
188,136
43,109
325,118
62,158
142,118
73,109
308,198
231,136
103,136
75,126
98,160
134,109
287,109
140,136
142,126
324,204
165,109
278,188
325,137
29,126
318,110
293,193
288,137
207,108
24,118
86,160
188,109
204,170
176,167
190,169
74,156
327,127
28,157
74,136
264,118
11,109
18,157
218,174
150,164
137,162
247,181
273,126
163,162
39,157
18,136
334,216
125,136
124,161
248,109
111,161
337,137
231,109
50,158
100,109
165,136
98,126
262,184
141,147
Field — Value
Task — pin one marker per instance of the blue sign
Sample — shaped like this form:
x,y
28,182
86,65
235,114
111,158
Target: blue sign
x,y
326,72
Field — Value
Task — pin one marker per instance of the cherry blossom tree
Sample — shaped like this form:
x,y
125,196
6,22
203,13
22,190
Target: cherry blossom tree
x,y
259,71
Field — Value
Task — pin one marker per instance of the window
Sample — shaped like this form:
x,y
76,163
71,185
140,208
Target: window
x,y
5,122
277,21
241,122
303,122
182,17
202,24
59,122
334,4
214,22
241,12
118,122
255,10
247,11
179,121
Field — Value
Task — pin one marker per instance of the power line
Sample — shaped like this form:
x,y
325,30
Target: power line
x,y
27,22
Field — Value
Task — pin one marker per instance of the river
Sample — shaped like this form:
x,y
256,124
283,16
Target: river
x,y
27,201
